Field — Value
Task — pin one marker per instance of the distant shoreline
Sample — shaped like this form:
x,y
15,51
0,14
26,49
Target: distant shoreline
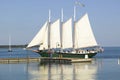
x,y
13,46
24,46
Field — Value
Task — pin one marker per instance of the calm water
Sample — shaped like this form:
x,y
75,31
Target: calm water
x,y
105,66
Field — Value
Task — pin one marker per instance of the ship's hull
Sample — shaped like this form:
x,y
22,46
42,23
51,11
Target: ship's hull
x,y
67,55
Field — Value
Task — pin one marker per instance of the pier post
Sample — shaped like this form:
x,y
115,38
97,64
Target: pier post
x,y
86,56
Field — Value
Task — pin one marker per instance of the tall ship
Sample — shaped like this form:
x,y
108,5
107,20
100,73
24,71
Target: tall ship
x,y
69,39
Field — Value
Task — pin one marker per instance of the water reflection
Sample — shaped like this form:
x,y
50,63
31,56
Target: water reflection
x,y
99,69
74,71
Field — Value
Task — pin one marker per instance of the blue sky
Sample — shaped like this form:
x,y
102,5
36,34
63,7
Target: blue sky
x,y
22,19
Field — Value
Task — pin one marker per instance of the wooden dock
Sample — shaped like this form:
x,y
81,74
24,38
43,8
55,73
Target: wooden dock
x,y
43,60
18,60
81,60
64,60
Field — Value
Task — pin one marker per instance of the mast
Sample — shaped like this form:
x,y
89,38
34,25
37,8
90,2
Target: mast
x,y
61,24
9,42
74,23
49,15
49,24
74,13
62,15
53,33
9,50
66,33
74,27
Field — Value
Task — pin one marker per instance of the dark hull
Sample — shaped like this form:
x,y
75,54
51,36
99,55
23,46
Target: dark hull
x,y
67,55
9,50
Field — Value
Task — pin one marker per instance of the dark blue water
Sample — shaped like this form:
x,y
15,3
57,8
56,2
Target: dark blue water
x,y
17,53
109,52
104,66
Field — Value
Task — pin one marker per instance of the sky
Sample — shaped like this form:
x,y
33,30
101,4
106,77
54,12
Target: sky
x,y
22,19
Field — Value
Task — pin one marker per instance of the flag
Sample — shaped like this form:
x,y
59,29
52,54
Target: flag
x,y
80,4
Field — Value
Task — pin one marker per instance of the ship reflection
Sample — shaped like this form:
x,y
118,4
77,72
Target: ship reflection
x,y
74,71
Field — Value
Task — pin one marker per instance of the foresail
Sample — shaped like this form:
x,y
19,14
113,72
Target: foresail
x,y
44,45
84,36
38,39
67,41
55,34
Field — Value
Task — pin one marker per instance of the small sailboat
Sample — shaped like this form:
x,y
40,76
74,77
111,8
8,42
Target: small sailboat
x,y
9,49
118,61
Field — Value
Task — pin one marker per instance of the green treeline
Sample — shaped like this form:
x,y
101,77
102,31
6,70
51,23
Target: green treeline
x,y
14,46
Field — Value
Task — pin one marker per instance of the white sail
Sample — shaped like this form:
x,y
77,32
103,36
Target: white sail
x,y
67,41
55,34
44,45
84,36
10,49
38,39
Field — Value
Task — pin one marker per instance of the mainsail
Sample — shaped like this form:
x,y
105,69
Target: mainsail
x,y
39,38
67,41
84,36
55,34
